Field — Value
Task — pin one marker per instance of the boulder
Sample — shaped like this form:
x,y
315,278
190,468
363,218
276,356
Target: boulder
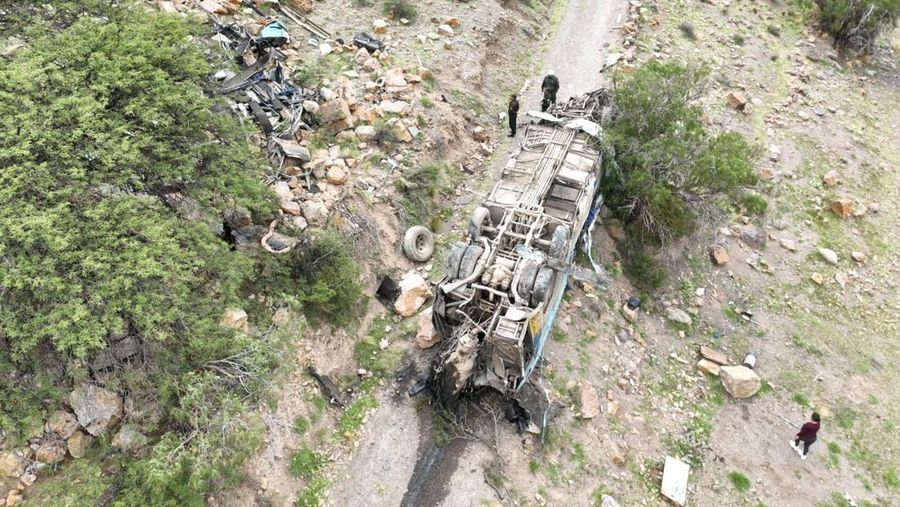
x,y
829,255
740,382
788,244
50,452
62,423
394,106
713,355
736,101
842,208
445,30
290,207
315,212
858,256
365,133
830,178
590,401
12,464
608,501
616,453
96,408
414,291
678,315
709,366
379,26
129,438
311,106
479,134
753,236
335,113
336,175
718,255
394,81
426,335
234,318
78,443
629,313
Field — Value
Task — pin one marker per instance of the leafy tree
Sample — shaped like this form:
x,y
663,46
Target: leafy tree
x,y
858,23
662,166
665,164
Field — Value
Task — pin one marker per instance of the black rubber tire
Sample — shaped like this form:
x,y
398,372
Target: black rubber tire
x,y
526,280
541,285
559,243
454,259
418,243
469,260
480,216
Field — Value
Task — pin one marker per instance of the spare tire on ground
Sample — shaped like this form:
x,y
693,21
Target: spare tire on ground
x,y
418,243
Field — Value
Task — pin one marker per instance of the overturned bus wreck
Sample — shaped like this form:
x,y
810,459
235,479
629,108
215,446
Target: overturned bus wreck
x,y
496,305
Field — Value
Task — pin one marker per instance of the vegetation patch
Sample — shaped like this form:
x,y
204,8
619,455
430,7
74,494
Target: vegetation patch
x,y
306,462
739,481
663,167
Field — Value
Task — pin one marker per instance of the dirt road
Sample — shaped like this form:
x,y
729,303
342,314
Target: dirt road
x,y
578,50
392,438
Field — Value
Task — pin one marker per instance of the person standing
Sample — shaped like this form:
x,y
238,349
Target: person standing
x,y
807,434
512,111
549,87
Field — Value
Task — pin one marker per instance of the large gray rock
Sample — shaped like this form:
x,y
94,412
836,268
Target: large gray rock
x,y
96,408
608,501
678,315
78,443
753,236
12,463
414,291
129,438
740,381
62,423
426,335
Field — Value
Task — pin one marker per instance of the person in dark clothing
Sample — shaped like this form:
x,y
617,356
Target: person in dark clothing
x,y
808,435
549,87
512,110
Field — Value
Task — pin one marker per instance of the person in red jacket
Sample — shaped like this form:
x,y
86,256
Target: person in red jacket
x,y
808,435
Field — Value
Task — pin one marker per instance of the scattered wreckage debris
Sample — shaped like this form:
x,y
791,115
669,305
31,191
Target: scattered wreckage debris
x,y
496,305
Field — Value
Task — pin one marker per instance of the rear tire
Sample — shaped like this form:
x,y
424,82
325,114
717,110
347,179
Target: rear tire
x,y
418,243
541,285
454,259
526,280
480,216
559,243
469,261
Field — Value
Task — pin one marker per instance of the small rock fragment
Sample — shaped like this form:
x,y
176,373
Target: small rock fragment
x,y
829,255
718,255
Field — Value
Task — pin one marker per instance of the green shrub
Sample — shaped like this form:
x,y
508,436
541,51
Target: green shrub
x,y
857,24
661,164
739,481
641,266
321,275
311,495
420,190
301,424
307,463
102,117
753,204
400,9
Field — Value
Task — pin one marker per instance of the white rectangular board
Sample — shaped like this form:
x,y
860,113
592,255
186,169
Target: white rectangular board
x,y
675,480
